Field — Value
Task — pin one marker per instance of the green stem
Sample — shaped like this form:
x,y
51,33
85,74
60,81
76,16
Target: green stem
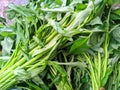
x,y
51,37
7,72
13,61
106,55
7,79
31,61
40,63
92,73
6,86
12,57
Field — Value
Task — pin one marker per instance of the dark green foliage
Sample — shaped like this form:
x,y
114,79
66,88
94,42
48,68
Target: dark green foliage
x,y
61,45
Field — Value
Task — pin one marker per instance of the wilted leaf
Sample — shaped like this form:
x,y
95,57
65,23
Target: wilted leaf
x,y
21,74
7,44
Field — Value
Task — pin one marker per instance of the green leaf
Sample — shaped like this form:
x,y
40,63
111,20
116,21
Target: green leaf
x,y
80,7
110,2
7,31
95,21
36,71
38,81
58,2
115,1
21,10
117,12
80,18
114,16
116,34
79,46
11,14
20,35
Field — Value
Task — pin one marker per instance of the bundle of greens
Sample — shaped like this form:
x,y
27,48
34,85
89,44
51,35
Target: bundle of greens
x,y
60,45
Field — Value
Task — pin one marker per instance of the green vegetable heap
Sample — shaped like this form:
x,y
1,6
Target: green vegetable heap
x,y
61,45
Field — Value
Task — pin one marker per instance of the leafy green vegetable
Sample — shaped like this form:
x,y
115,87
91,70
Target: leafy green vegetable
x,y
61,45
79,45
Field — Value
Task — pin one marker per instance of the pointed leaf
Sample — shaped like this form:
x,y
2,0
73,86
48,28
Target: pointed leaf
x,y
79,46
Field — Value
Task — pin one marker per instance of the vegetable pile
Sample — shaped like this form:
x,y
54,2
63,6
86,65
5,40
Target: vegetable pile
x,y
61,45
